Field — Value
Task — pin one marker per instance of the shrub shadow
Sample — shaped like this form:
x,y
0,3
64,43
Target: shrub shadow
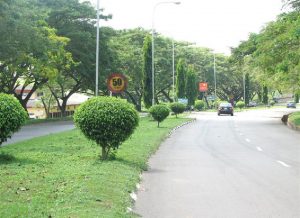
x,y
10,159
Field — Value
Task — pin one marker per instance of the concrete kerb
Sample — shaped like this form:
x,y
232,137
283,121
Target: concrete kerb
x,y
285,120
293,126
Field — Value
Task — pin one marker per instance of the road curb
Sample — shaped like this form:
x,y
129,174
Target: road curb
x,y
293,126
177,127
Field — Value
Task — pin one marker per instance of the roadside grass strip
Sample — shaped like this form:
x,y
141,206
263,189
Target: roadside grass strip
x,y
61,175
294,118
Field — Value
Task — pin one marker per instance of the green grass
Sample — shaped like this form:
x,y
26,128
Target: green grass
x,y
61,175
295,118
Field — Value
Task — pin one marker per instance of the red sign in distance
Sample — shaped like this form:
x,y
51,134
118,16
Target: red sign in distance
x,y
203,87
117,83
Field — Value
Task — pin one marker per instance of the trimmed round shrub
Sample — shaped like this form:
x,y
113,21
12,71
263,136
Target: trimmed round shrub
x,y
12,116
240,104
159,112
199,105
177,108
108,121
272,103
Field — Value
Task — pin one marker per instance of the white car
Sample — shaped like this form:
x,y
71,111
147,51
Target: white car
x,y
32,116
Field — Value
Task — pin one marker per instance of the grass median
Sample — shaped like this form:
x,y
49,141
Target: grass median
x,y
60,175
294,118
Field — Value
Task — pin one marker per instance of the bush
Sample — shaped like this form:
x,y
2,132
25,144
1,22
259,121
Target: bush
x,y
216,104
240,104
177,108
106,120
12,116
272,103
159,112
199,105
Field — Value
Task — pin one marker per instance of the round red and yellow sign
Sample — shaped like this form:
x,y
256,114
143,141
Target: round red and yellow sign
x,y
116,83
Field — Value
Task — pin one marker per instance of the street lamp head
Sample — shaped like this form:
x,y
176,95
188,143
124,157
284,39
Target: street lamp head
x,y
177,3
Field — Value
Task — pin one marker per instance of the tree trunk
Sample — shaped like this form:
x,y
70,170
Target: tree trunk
x,y
105,152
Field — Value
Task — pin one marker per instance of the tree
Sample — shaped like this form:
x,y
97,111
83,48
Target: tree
x,y
159,112
107,121
147,72
191,86
177,108
129,47
27,44
12,116
265,97
247,89
181,79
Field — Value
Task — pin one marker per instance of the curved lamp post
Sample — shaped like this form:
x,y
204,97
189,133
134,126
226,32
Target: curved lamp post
x,y
154,8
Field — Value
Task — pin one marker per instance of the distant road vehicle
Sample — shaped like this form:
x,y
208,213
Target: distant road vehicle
x,y
32,116
225,108
252,104
291,105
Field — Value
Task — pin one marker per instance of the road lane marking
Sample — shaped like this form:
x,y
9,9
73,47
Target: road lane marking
x,y
248,140
241,134
283,164
259,148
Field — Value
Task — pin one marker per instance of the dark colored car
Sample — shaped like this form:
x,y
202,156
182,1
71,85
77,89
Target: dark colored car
x,y
225,108
291,105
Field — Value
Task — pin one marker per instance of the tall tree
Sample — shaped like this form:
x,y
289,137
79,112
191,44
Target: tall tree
x,y
191,85
265,98
147,72
181,79
129,47
26,47
247,89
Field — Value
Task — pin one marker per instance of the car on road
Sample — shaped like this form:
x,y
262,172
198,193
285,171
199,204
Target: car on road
x,y
225,108
252,104
291,104
32,116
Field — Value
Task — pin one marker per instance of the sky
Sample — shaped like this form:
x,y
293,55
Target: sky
x,y
215,24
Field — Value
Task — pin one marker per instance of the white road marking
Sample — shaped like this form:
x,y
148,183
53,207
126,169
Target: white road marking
x,y
248,140
259,148
283,164
241,133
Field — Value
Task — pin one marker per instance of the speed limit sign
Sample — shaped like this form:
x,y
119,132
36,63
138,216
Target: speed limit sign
x,y
116,83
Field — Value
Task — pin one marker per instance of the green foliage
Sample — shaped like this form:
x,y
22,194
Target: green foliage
x,y
199,105
106,120
147,72
296,98
272,103
159,112
177,108
265,97
247,89
181,78
12,116
240,104
191,86
295,118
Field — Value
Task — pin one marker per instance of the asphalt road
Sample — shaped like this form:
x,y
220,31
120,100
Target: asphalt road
x,y
243,166
40,129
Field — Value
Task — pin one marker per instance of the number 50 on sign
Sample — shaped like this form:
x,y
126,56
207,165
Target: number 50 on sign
x,y
116,83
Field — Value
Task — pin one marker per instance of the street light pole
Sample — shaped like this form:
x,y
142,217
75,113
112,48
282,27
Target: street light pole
x,y
97,50
173,70
153,30
215,79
